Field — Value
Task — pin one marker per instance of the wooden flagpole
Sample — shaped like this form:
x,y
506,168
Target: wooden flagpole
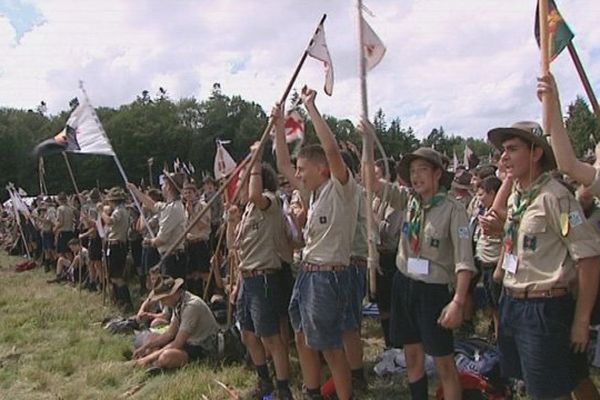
x,y
584,79
71,174
12,194
544,60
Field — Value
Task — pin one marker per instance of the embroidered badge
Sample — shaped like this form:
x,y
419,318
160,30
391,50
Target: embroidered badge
x,y
405,228
529,242
463,232
575,219
434,243
323,220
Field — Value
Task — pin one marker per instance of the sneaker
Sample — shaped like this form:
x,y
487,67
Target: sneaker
x,y
258,391
308,396
282,394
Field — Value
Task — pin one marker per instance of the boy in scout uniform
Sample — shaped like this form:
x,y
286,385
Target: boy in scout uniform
x,y
116,220
171,223
321,293
434,251
64,225
548,251
259,289
197,240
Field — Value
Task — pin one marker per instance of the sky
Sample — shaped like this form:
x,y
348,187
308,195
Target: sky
x,y
466,65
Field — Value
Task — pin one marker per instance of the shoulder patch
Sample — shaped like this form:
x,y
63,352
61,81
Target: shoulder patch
x,y
463,232
575,218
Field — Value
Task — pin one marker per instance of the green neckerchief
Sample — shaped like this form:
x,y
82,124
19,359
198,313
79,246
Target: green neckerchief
x,y
416,216
521,200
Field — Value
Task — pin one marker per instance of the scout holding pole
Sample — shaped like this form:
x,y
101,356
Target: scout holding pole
x,y
544,60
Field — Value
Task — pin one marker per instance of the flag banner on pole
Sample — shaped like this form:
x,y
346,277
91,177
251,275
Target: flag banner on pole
x,y
374,48
467,156
224,163
294,126
454,160
82,134
559,31
318,49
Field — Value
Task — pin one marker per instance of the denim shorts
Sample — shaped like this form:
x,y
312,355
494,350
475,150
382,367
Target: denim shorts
x,y
534,343
416,307
150,257
47,241
318,305
358,287
492,289
258,307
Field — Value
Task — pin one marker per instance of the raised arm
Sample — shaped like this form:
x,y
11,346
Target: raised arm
x,y
282,153
141,196
561,145
332,151
255,186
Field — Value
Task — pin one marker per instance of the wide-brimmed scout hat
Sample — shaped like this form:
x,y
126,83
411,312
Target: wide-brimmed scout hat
x,y
115,194
529,131
429,155
462,181
165,286
176,178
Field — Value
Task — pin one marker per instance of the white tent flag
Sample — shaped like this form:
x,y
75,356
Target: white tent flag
x,y
374,48
84,132
318,49
224,163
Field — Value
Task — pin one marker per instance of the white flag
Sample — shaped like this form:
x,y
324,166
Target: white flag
x,y
318,49
467,155
224,163
373,46
454,160
84,133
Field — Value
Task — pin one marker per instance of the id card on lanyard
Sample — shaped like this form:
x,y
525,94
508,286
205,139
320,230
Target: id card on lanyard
x,y
418,266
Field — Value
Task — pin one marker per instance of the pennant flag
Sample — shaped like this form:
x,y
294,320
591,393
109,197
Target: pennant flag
x,y
318,49
82,134
294,127
191,168
467,155
18,202
454,160
224,163
560,34
374,48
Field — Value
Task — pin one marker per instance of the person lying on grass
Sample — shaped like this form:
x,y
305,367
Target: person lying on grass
x,y
192,333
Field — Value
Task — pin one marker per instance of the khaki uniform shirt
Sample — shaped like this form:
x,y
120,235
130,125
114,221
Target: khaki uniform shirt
x,y
487,248
288,234
171,223
546,255
445,239
117,231
66,218
195,318
200,231
360,245
331,223
256,236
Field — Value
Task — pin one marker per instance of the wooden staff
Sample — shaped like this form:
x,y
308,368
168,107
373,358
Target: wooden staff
x,y
71,174
584,79
544,61
214,266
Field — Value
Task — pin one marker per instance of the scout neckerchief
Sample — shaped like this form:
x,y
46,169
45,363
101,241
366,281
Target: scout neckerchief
x,y
416,216
521,200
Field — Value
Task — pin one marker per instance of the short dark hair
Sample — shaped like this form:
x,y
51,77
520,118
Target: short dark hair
x,y
269,178
350,161
392,164
313,153
74,242
490,184
155,194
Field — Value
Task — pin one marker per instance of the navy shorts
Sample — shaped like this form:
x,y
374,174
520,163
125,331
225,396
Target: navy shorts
x,y
95,249
62,243
194,352
116,258
198,255
416,307
258,304
358,289
175,264
287,285
492,289
47,240
534,343
317,307
383,298
150,257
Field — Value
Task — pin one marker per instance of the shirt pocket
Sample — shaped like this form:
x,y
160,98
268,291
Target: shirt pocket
x,y
531,231
435,241
320,217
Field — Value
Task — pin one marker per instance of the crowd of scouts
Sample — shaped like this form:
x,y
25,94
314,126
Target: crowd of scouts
x,y
299,238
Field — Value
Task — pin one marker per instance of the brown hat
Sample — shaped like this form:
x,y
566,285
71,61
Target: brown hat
x,y
462,181
115,194
176,178
531,132
62,197
429,155
165,286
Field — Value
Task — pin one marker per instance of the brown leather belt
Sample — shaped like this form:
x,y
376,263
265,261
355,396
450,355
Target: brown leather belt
x,y
536,294
310,267
253,274
358,261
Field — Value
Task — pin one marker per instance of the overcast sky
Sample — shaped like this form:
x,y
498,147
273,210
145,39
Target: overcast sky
x,y
468,65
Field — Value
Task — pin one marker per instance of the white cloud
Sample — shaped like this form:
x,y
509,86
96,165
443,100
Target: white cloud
x,y
466,65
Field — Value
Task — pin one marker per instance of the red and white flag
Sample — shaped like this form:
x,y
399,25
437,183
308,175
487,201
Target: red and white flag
x,y
294,127
224,163
318,49
374,48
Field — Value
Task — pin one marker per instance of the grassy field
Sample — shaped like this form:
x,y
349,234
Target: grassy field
x,y
52,346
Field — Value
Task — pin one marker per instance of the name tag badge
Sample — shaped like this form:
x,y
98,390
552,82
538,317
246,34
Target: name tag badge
x,y
418,266
510,262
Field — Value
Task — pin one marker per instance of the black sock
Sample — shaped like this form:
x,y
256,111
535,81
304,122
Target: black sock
x,y
283,384
263,372
385,326
358,374
418,389
314,392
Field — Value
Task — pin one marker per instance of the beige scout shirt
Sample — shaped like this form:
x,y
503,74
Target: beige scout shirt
x,y
546,256
200,231
65,218
195,318
487,248
256,236
117,231
445,239
331,223
287,235
171,223
360,246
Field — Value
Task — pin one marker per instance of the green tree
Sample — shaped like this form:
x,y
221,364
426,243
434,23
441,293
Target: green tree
x,y
583,126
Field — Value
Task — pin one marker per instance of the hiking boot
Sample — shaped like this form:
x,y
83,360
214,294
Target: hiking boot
x,y
308,396
260,390
282,394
